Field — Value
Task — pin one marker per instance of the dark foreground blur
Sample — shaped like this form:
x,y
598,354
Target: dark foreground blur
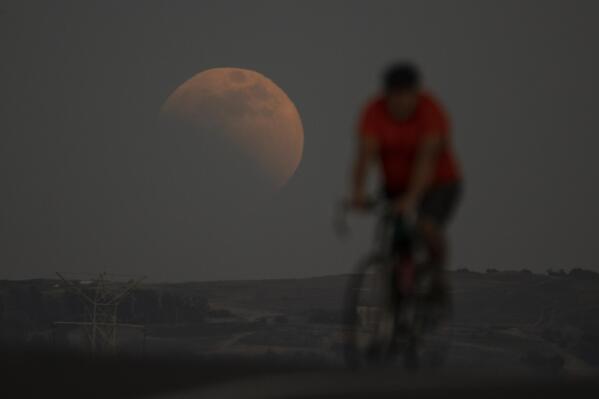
x,y
50,374
30,375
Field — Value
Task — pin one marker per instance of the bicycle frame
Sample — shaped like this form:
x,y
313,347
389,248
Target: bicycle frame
x,y
387,249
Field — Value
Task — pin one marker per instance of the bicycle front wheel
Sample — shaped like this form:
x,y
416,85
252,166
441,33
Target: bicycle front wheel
x,y
370,314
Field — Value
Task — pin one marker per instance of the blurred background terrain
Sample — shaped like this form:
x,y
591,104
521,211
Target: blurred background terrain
x,y
502,319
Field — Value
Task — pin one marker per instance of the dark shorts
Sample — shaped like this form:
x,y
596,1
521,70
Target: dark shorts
x,y
440,202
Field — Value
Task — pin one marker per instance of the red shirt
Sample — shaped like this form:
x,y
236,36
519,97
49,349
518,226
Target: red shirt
x,y
399,141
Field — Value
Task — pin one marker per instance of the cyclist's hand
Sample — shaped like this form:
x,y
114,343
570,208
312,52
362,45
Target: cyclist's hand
x,y
405,205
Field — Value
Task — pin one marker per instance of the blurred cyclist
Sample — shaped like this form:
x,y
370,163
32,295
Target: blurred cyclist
x,y
407,132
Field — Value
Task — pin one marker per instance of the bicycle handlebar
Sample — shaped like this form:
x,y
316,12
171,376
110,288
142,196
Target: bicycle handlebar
x,y
340,224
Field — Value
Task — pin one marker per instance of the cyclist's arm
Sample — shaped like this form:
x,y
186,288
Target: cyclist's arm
x,y
424,167
366,154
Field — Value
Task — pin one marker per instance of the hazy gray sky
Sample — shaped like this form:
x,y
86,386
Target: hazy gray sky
x,y
92,181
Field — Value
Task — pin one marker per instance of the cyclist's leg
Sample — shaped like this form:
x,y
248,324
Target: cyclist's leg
x,y
435,241
435,211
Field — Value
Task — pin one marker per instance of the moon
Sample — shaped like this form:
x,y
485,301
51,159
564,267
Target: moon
x,y
250,111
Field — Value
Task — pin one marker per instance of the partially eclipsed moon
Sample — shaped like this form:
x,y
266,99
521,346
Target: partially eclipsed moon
x,y
250,110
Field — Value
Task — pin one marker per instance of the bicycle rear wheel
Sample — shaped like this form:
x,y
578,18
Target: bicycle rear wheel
x,y
370,315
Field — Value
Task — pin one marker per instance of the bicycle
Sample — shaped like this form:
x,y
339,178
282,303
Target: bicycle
x,y
388,312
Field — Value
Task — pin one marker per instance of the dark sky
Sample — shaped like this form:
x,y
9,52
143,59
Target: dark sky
x,y
92,181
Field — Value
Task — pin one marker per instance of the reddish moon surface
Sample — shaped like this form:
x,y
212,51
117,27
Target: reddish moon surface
x,y
250,110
